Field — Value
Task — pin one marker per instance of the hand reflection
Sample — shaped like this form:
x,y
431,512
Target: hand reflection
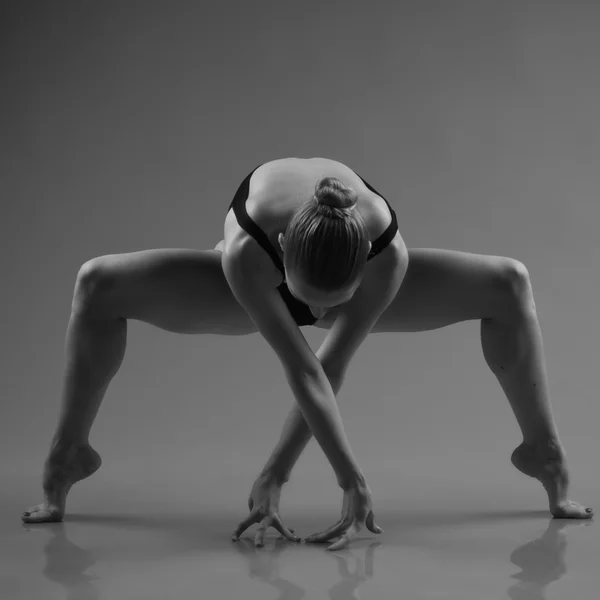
x,y
67,564
347,587
263,564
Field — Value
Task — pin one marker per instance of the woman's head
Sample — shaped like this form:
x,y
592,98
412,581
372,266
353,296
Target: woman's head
x,y
325,246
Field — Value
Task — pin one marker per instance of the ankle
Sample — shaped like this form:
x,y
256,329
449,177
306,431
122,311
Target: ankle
x,y
63,449
549,446
63,441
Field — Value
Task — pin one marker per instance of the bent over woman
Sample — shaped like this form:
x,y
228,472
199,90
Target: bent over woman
x,y
306,242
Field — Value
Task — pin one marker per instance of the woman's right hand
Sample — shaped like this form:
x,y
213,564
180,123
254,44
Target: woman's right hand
x,y
263,504
357,511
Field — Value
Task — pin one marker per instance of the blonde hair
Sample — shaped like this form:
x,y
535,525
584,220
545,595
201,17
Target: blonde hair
x,y
326,241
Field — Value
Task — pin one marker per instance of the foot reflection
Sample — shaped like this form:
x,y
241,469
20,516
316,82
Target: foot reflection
x,y
66,563
542,561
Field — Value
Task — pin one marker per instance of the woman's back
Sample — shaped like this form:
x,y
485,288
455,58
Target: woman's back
x,y
276,190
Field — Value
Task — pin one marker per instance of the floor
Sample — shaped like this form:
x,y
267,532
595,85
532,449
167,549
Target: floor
x,y
455,527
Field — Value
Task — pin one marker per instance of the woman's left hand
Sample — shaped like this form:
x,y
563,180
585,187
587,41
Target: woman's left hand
x,y
263,504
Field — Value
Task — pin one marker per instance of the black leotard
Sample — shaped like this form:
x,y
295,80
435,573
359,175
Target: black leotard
x,y
299,310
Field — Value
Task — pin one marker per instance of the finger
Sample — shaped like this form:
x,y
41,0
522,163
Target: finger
x,y
278,524
345,540
250,520
326,535
259,538
371,525
292,530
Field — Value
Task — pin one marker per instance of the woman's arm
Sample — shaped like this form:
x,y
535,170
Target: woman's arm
x,y
294,438
304,372
383,278
319,408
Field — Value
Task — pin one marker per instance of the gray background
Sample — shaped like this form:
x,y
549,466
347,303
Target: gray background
x,y
128,126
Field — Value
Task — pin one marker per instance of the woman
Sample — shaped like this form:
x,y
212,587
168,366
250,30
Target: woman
x,y
307,242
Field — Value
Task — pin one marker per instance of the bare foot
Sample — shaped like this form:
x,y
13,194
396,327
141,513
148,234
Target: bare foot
x,y
547,463
63,468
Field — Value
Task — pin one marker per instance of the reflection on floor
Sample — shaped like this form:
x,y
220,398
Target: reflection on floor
x,y
460,554
458,525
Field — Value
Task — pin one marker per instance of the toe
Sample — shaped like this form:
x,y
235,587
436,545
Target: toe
x,y
41,514
33,516
26,516
572,510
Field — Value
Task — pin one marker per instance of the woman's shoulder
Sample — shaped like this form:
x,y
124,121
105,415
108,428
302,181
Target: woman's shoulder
x,y
255,265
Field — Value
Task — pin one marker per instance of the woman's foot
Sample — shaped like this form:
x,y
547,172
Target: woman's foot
x,y
64,467
547,463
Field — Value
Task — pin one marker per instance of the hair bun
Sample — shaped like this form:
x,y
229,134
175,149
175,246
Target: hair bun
x,y
330,191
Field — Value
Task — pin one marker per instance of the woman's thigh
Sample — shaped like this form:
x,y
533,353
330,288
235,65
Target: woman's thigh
x,y
442,287
185,290
179,290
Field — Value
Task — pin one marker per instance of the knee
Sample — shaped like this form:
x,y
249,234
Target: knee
x,y
515,281
93,279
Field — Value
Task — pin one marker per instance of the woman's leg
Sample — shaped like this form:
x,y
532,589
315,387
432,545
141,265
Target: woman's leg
x,y
182,291
442,287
